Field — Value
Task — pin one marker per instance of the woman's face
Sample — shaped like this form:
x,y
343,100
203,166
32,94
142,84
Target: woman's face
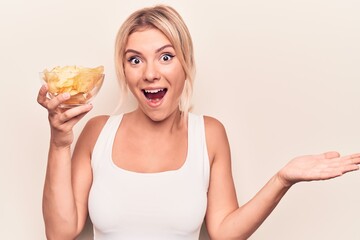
x,y
153,73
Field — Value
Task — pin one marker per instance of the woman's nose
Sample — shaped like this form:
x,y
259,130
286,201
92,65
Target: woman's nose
x,y
151,72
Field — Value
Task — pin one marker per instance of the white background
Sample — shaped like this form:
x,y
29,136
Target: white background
x,y
283,77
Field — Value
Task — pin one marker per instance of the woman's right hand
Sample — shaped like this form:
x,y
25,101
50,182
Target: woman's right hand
x,y
61,120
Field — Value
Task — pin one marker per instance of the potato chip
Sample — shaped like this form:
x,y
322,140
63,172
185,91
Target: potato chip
x,y
73,79
82,83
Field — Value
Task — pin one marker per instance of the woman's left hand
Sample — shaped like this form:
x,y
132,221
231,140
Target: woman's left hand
x,y
318,167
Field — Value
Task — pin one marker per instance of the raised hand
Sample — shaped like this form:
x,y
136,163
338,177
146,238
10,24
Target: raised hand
x,y
318,167
61,120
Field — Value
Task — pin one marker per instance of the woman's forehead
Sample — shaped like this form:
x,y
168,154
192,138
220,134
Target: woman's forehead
x,y
147,39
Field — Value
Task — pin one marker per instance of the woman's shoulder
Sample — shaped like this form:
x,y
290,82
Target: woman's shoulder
x,y
93,127
91,132
213,125
216,138
96,123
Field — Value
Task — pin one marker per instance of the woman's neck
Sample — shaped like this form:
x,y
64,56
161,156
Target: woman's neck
x,y
174,122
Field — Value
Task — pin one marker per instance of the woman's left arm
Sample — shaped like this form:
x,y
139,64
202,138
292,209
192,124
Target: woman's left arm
x,y
225,219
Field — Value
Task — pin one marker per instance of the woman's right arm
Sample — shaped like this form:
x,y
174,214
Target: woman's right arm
x,y
68,179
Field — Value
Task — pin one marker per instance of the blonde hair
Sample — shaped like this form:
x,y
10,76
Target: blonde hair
x,y
169,22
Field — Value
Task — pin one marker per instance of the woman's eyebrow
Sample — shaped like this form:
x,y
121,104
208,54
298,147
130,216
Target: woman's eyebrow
x,y
131,51
163,47
157,50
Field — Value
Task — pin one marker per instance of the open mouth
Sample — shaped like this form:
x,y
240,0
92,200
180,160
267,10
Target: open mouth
x,y
154,95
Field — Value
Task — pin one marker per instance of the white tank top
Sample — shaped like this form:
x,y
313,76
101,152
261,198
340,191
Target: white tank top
x,y
165,205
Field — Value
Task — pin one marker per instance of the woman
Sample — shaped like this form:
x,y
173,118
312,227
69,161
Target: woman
x,y
158,171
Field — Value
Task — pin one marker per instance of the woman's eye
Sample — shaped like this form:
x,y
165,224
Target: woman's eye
x,y
166,57
134,60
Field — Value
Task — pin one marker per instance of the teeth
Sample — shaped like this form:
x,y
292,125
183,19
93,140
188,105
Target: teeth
x,y
153,90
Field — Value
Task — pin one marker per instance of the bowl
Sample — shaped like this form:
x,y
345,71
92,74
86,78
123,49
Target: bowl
x,y
83,86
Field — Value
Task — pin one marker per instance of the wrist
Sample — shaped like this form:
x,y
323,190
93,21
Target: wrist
x,y
279,177
55,146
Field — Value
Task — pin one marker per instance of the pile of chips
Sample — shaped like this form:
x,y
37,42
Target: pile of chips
x,y
73,79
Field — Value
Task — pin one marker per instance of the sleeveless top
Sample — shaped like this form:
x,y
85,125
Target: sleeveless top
x,y
163,205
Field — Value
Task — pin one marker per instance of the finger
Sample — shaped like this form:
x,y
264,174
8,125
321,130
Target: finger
x,y
75,114
345,166
330,174
41,98
352,156
354,161
330,155
56,101
344,161
65,121
71,123
350,168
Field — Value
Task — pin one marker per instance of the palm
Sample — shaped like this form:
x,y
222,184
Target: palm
x,y
318,167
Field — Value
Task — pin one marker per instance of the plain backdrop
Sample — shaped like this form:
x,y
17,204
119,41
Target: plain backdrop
x,y
283,77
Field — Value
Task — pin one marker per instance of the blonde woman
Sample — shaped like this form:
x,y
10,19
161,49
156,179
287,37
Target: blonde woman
x,y
157,172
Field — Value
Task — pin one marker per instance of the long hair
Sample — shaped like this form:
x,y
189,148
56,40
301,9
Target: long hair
x,y
170,23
